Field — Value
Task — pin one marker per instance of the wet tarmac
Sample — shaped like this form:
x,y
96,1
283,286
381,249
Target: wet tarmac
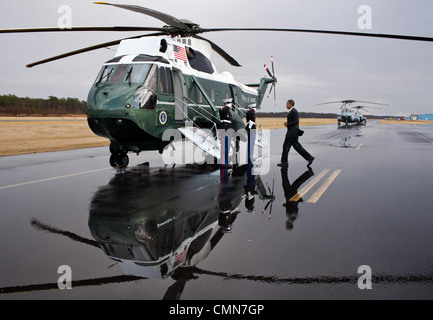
x,y
201,233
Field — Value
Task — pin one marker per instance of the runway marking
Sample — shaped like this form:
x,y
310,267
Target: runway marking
x,y
316,196
51,179
422,137
359,146
307,188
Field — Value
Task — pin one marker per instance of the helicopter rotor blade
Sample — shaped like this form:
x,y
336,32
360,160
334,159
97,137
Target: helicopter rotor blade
x,y
344,101
269,72
72,29
273,67
352,101
270,91
170,20
87,49
221,52
274,84
379,104
345,33
272,75
362,107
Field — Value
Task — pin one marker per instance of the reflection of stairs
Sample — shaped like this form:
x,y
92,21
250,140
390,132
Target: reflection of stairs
x,y
202,139
261,140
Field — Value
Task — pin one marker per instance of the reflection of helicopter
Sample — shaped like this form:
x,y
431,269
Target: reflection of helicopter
x,y
348,134
351,114
161,223
153,223
158,80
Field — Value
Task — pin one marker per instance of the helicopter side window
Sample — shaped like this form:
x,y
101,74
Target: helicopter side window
x,y
210,93
152,78
199,61
166,85
198,94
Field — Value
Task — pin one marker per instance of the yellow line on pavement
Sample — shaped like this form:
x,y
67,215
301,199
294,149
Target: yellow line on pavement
x,y
359,146
307,188
316,196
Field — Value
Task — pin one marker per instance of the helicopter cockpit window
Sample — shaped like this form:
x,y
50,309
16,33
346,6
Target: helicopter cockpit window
x,y
134,73
118,74
105,74
199,61
137,72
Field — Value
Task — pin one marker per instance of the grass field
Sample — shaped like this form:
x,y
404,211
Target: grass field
x,y
405,122
46,134
278,123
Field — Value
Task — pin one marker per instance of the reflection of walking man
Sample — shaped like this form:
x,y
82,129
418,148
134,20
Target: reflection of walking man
x,y
289,191
292,135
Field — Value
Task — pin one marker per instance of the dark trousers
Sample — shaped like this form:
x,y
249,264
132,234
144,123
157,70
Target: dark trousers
x,y
251,144
225,149
293,142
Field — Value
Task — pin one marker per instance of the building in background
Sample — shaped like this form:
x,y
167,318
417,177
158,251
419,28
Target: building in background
x,y
425,116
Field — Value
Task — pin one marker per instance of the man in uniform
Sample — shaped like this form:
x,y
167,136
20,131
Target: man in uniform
x,y
251,130
292,135
225,124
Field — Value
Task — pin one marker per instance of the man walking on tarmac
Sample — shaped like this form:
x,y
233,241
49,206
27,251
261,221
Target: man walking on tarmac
x,y
292,135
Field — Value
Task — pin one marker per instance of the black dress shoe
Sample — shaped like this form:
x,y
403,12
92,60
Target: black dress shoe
x,y
310,161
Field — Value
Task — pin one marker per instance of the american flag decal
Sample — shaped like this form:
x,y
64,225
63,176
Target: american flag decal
x,y
180,53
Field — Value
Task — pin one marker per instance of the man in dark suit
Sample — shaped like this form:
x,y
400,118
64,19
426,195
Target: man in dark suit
x,y
292,135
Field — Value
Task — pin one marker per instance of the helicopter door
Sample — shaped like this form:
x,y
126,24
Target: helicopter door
x,y
234,94
179,92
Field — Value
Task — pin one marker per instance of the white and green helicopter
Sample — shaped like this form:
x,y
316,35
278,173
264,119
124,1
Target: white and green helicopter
x,y
352,115
163,79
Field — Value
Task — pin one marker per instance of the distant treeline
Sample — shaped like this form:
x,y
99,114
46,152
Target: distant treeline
x,y
11,105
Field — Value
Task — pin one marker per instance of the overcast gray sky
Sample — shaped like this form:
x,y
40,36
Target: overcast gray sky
x,y
311,69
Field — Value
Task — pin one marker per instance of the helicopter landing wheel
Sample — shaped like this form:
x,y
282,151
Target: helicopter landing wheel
x,y
119,160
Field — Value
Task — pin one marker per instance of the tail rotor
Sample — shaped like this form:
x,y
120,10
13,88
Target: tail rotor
x,y
274,80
